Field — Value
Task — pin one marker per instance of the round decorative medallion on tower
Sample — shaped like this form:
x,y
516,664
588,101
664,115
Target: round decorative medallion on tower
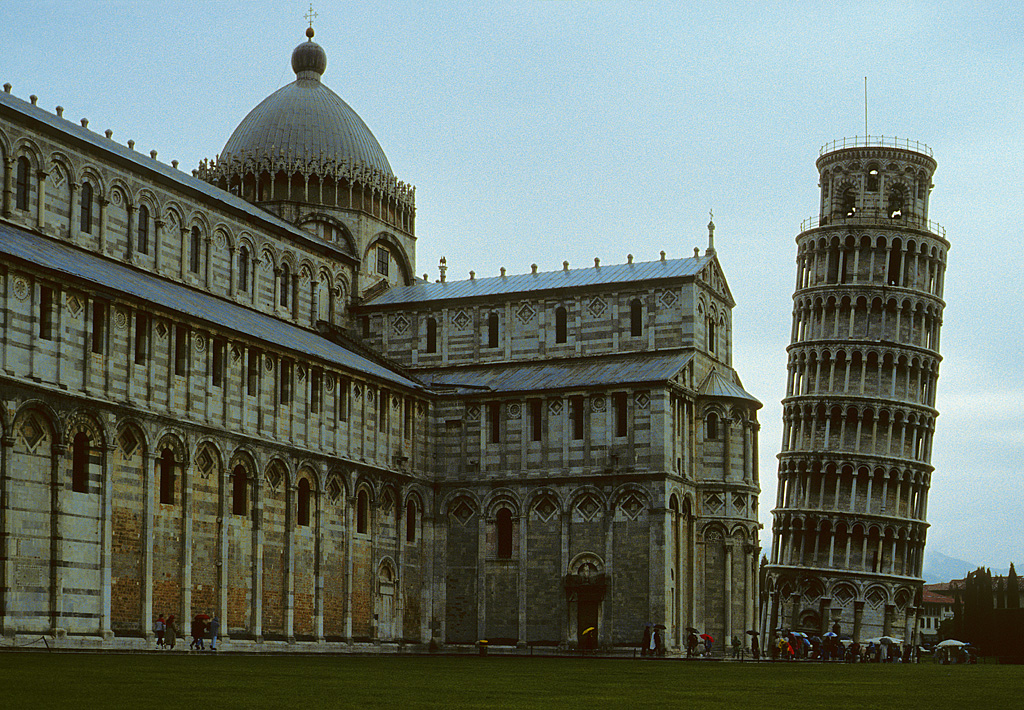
x,y
859,412
306,156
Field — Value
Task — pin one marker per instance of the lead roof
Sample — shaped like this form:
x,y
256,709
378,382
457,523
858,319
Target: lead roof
x,y
541,281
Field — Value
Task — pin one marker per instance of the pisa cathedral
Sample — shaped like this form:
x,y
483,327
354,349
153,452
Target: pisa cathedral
x,y
228,392
859,413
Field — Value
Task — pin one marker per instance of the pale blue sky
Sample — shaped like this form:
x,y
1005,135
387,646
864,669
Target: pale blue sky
x,y
538,132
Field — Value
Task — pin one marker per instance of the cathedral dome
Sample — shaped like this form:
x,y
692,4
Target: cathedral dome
x,y
305,122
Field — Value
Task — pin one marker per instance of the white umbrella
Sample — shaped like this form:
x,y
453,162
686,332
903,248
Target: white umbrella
x,y
949,642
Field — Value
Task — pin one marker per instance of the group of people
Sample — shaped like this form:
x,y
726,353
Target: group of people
x,y
794,646
167,632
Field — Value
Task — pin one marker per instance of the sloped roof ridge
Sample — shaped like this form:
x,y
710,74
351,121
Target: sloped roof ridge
x,y
543,280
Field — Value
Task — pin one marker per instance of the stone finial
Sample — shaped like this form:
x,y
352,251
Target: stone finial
x,y
174,164
696,252
443,267
108,133
472,276
533,268
565,266
629,258
152,154
503,272
663,255
85,123
131,144
426,277
32,99
8,87
60,112
711,234
597,263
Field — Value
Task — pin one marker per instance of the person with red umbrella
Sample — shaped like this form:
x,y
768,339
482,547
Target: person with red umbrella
x,y
707,643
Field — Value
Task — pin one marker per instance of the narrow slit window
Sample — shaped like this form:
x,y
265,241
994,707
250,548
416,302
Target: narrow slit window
x,y
239,491
180,350
410,522
252,372
492,330
46,313
167,465
561,325
503,523
621,413
303,503
194,252
99,326
80,463
636,318
142,233
494,419
431,335
21,201
536,420
85,213
141,338
576,413
217,375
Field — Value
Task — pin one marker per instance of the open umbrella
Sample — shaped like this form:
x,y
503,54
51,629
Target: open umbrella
x,y
691,630
754,633
950,643
660,626
707,637
830,634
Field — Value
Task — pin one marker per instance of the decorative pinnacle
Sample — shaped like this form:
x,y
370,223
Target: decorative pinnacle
x,y
711,232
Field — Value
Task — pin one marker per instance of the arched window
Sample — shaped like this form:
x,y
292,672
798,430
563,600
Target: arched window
x,y
21,188
712,335
504,525
239,491
561,325
849,204
711,429
872,181
410,522
142,233
243,268
362,512
196,245
431,335
80,463
284,284
86,211
636,318
492,330
302,517
897,198
167,477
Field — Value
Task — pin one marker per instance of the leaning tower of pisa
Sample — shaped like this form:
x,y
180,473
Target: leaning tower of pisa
x,y
859,412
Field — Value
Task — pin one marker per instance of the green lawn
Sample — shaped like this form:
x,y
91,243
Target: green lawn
x,y
208,682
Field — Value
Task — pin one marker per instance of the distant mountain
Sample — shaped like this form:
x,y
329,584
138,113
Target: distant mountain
x,y
941,568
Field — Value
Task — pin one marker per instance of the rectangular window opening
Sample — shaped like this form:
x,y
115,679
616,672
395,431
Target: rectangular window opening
x,y
494,418
217,376
576,412
621,413
180,349
99,326
46,313
536,422
141,338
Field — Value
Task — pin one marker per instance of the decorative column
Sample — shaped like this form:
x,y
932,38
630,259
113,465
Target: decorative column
x,y
41,175
106,540
7,541
8,197
149,464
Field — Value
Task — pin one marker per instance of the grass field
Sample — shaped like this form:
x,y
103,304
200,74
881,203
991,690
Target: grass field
x,y
208,682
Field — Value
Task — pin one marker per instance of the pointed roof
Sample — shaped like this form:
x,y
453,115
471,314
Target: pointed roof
x,y
718,386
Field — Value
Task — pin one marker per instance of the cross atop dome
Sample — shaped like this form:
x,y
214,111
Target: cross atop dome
x,y
310,16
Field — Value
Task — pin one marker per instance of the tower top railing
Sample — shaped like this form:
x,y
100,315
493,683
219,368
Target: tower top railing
x,y
874,218
876,142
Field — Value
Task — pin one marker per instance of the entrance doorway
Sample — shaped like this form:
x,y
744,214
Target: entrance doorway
x,y
586,621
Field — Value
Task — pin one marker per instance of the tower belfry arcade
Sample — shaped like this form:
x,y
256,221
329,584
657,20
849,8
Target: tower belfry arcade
x,y
859,412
